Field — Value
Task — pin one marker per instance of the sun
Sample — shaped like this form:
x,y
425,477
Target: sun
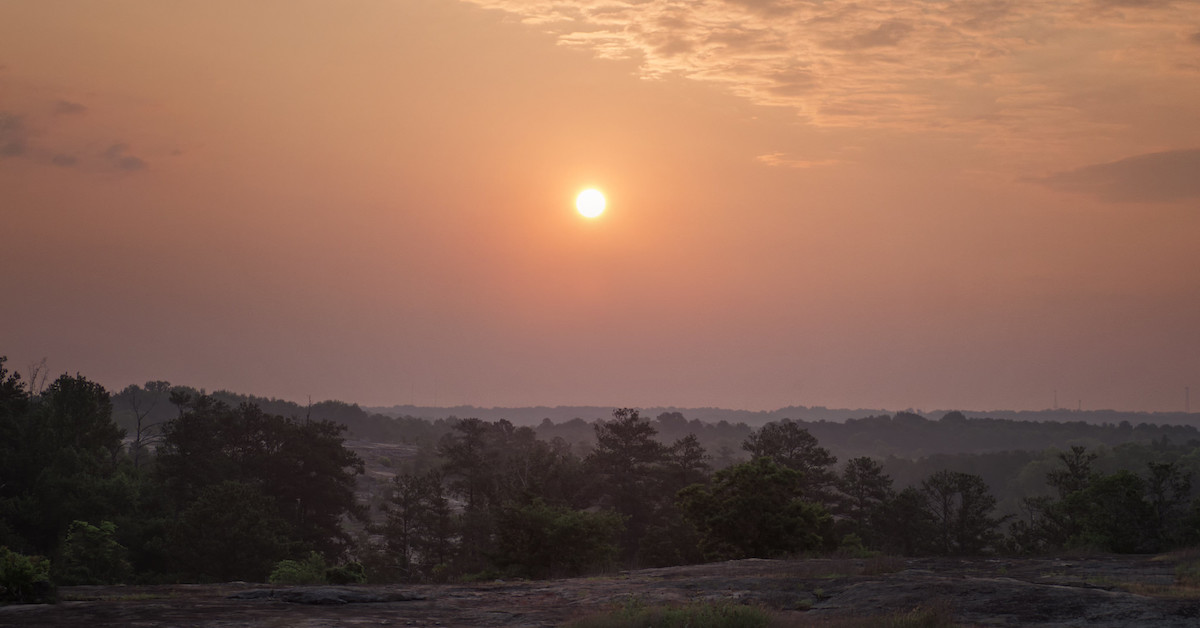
x,y
590,203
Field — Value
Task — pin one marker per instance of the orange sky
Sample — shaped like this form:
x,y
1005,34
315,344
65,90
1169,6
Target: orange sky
x,y
896,204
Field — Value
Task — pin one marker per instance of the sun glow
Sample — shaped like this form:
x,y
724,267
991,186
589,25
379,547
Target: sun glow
x,y
590,203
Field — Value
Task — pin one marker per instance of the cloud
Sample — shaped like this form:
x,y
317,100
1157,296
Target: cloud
x,y
18,132
64,160
66,108
889,33
766,7
1155,177
1014,76
1135,4
781,160
116,156
13,135
131,163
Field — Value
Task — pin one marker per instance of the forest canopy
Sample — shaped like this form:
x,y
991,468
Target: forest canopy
x,y
163,483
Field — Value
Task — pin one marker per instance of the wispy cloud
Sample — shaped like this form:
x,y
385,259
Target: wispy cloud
x,y
13,135
117,156
1154,177
1012,73
67,108
782,160
889,33
63,160
18,140
15,142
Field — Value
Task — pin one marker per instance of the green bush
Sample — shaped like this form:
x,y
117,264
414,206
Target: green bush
x,y
350,573
538,540
751,510
852,547
24,579
311,570
314,570
91,555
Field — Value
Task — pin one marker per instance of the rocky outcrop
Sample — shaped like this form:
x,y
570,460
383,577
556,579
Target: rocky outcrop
x,y
326,595
1049,593
1005,601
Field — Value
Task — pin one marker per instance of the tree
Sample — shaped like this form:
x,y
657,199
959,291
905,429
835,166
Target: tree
x,y
38,374
790,445
16,462
865,490
470,472
754,510
78,416
312,476
687,463
960,505
232,531
143,404
1051,523
467,466
1115,515
527,469
303,467
419,526
59,460
1168,490
1078,472
181,398
670,539
910,530
625,467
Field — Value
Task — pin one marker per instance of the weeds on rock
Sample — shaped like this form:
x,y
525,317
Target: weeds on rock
x,y
635,614
934,615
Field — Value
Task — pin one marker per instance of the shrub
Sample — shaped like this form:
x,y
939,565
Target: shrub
x,y
852,547
24,579
311,570
538,540
751,510
90,555
350,573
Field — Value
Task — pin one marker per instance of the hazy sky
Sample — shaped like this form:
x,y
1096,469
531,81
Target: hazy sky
x,y
901,203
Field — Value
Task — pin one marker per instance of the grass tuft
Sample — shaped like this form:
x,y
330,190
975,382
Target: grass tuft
x,y
880,565
933,615
698,615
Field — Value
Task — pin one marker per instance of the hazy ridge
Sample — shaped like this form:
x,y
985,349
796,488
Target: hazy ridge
x,y
532,415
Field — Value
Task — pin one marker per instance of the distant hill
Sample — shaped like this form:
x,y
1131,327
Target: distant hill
x,y
535,414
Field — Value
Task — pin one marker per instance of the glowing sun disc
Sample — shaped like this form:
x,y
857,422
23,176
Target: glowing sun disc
x,y
590,203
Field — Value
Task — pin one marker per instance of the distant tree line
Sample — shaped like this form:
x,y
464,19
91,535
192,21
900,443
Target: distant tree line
x,y
189,486
904,435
